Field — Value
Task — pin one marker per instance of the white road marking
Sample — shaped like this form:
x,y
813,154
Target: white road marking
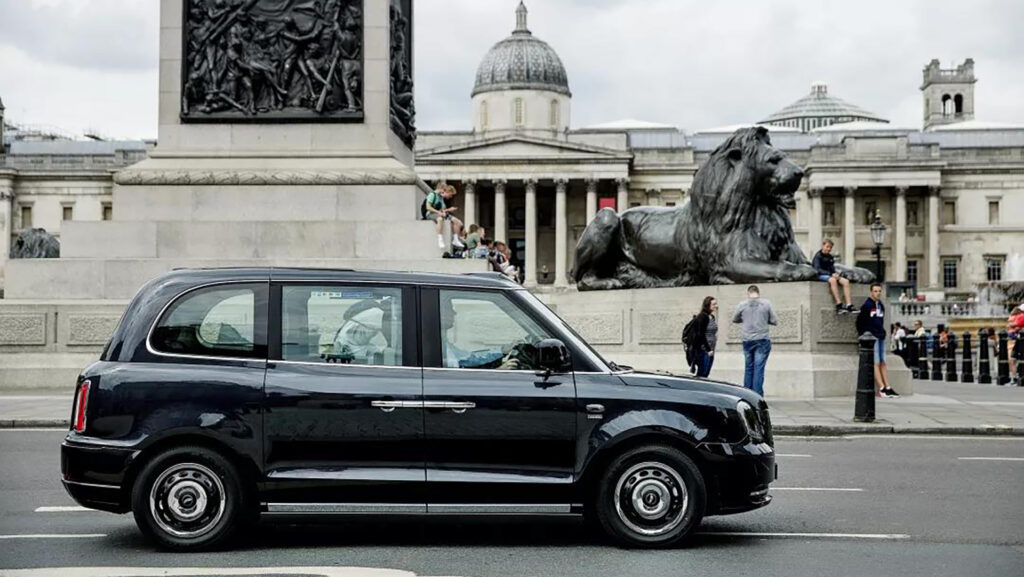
x,y
70,395
839,489
990,458
63,509
34,430
793,455
192,571
996,437
811,535
997,403
56,536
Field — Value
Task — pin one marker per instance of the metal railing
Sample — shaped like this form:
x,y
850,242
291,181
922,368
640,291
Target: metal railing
x,y
983,357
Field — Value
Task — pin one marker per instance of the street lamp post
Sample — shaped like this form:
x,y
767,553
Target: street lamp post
x,y
878,237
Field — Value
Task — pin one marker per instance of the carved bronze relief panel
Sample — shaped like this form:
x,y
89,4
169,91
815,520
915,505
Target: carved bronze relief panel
x,y
272,61
403,109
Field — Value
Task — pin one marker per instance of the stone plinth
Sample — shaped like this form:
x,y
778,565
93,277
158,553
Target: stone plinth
x,y
814,350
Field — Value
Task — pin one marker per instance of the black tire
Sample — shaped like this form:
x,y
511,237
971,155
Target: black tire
x,y
189,499
669,492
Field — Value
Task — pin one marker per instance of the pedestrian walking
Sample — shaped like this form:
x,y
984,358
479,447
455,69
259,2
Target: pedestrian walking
x,y
706,336
898,344
872,320
755,314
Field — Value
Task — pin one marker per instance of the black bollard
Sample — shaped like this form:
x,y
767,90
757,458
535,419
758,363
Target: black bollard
x,y
951,376
1018,354
938,357
1003,361
913,359
967,367
864,405
922,366
984,374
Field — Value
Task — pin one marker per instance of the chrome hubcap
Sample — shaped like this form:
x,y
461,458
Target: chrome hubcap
x,y
650,498
187,500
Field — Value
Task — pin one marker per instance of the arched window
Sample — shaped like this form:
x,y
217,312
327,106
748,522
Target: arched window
x,y
519,112
483,114
554,114
947,105
958,104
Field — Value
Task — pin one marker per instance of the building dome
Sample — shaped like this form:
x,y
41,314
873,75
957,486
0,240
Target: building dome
x,y
819,109
521,61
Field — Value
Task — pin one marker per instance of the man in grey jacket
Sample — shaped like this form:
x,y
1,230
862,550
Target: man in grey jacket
x,y
756,314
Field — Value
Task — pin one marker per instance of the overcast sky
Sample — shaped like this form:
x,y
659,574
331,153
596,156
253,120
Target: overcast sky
x,y
92,64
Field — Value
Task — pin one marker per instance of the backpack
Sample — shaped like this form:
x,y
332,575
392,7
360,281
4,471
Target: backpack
x,y
689,339
423,205
690,332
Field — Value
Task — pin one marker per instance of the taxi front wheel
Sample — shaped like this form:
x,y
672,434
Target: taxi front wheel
x,y
650,497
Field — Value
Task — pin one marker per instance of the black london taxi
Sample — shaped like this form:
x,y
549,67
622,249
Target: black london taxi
x,y
225,395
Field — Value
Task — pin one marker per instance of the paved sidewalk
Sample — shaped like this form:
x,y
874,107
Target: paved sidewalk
x,y
937,408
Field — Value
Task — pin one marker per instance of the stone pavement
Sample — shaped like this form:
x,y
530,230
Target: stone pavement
x,y
937,408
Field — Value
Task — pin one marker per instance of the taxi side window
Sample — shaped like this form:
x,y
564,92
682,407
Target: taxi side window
x,y
359,325
486,330
214,322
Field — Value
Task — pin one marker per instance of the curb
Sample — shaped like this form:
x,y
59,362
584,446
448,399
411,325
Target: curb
x,y
888,429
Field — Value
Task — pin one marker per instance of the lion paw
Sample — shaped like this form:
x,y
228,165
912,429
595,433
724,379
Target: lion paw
x,y
800,272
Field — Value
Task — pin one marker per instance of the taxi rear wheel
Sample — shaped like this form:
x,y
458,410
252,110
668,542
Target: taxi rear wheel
x,y
650,496
189,499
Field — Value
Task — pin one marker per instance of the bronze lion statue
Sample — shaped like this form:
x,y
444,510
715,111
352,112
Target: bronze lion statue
x,y
734,229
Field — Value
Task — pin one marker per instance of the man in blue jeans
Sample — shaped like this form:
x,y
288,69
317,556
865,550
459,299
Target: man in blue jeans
x,y
756,314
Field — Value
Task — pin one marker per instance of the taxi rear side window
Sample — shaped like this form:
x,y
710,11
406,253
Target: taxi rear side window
x,y
221,321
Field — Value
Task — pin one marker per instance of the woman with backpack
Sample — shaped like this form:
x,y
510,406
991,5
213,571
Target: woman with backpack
x,y
704,336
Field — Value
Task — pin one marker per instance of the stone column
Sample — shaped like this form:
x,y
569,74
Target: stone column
x,y
531,234
6,218
470,191
899,236
591,199
814,232
561,230
934,267
849,227
500,220
622,201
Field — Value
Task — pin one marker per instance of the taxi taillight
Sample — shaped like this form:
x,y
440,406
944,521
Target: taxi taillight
x,y
81,403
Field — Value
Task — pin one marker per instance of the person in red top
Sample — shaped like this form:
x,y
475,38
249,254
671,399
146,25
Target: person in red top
x,y
1015,327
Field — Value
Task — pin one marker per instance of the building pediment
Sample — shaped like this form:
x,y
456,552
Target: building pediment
x,y
520,148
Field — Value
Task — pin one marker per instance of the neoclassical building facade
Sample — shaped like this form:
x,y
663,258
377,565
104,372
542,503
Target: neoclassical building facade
x,y
950,192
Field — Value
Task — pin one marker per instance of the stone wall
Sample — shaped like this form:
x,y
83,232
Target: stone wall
x,y
814,350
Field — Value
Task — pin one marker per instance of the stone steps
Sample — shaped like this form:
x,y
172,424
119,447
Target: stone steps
x,y
100,278
325,239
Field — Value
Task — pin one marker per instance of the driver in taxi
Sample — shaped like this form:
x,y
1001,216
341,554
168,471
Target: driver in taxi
x,y
455,357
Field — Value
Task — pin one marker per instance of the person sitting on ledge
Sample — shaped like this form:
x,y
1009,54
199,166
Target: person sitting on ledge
x,y
438,211
825,264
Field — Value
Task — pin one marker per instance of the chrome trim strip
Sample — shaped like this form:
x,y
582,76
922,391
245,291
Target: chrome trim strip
x,y
343,365
489,508
152,327
499,371
95,485
349,508
427,509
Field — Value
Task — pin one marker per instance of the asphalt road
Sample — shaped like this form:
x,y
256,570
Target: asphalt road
x,y
843,506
